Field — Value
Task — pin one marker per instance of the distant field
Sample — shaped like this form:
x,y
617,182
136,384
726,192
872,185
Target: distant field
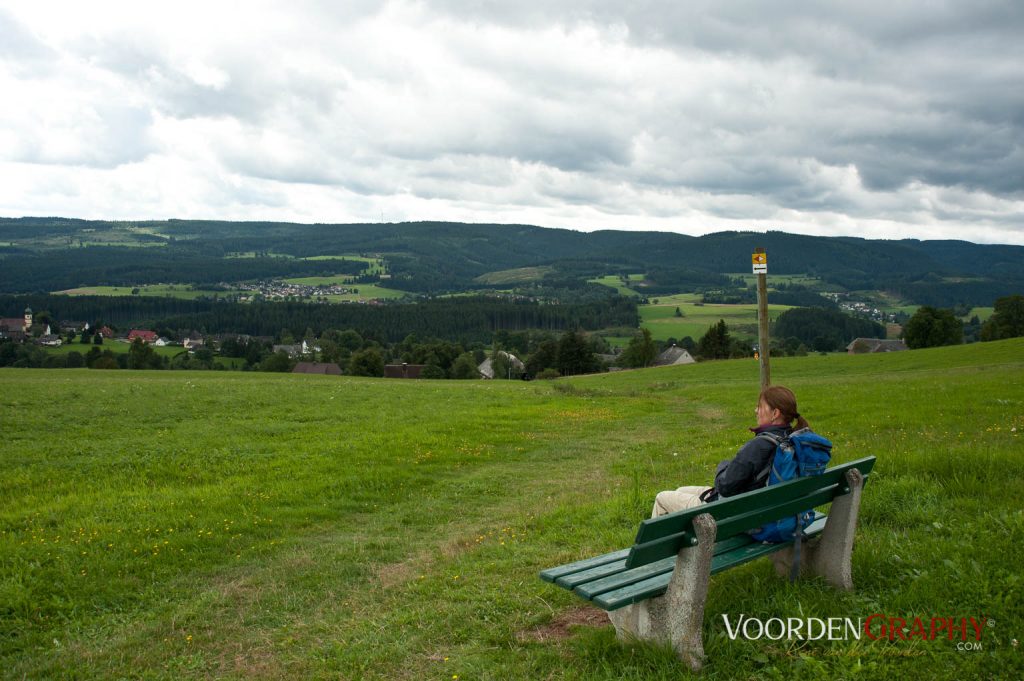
x,y
663,324
159,290
615,282
255,254
121,348
114,242
519,275
618,341
345,528
894,309
677,299
117,347
813,283
366,291
337,279
376,265
983,312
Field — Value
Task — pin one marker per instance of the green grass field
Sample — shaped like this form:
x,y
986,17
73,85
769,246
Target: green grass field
x,y
184,291
814,283
368,292
255,254
335,527
119,348
984,313
519,275
661,320
615,282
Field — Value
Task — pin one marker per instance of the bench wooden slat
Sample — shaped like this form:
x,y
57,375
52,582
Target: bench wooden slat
x,y
551,574
682,521
626,577
589,575
661,537
641,554
658,584
757,549
634,593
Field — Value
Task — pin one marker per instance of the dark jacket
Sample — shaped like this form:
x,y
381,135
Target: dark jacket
x,y
740,474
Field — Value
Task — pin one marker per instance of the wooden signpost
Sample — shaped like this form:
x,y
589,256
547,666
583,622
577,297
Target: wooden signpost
x,y
760,262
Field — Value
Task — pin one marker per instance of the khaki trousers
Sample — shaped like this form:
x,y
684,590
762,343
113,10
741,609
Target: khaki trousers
x,y
674,500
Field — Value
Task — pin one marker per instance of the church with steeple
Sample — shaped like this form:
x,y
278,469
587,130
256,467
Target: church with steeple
x,y
17,328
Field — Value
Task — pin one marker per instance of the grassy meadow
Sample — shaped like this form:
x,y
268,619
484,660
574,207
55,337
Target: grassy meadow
x,y
660,318
519,275
183,291
615,282
814,283
174,525
121,348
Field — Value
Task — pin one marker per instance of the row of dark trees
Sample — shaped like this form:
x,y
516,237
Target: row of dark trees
x,y
138,356
824,329
119,266
465,320
933,327
572,352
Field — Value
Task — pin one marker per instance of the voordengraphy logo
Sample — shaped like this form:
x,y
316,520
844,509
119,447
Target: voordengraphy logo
x,y
878,626
966,631
799,628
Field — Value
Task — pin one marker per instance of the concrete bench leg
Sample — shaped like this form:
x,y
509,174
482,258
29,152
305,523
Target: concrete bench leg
x,y
676,617
830,555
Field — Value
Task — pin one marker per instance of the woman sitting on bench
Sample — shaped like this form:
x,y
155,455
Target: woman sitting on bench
x,y
777,416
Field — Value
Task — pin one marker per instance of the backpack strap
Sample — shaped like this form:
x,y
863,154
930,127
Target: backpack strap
x,y
762,476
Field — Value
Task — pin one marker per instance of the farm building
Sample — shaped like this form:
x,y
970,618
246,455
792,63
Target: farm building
x,y
144,335
403,370
673,356
296,349
324,368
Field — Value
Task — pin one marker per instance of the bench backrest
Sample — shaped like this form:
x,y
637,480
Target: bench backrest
x,y
664,536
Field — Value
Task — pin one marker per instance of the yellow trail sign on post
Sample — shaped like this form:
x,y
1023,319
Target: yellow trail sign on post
x,y
760,263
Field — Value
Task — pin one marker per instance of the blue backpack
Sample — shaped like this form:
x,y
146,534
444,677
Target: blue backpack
x,y
801,454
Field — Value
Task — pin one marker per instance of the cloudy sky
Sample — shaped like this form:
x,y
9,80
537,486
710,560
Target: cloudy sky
x,y
881,119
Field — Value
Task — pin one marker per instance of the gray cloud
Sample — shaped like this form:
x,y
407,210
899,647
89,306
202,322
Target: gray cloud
x,y
822,116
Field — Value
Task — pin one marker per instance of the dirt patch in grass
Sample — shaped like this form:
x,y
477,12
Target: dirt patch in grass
x,y
254,662
711,413
395,574
561,626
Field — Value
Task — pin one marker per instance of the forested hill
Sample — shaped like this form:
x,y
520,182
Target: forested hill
x,y
46,254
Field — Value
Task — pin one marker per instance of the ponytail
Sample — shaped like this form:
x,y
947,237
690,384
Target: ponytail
x,y
783,399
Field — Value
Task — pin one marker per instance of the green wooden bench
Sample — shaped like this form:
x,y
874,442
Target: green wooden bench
x,y
656,589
